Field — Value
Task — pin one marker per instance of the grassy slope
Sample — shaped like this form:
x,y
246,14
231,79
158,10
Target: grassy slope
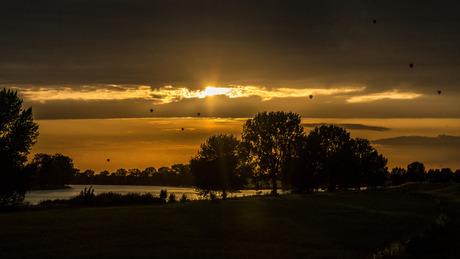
x,y
344,224
446,243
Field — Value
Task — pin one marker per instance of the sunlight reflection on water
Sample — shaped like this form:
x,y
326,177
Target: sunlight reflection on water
x,y
36,196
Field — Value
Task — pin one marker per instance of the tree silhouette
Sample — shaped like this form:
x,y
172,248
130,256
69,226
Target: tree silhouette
x,y
398,175
336,164
302,173
457,176
328,157
371,165
18,133
440,176
216,166
52,171
416,172
268,143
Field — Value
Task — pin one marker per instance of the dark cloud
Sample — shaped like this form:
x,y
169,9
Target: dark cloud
x,y
441,140
188,42
349,126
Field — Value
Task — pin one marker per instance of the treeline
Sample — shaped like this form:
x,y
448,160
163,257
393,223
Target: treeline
x,y
416,172
274,148
47,171
176,175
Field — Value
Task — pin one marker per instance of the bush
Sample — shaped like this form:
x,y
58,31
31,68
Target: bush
x,y
87,198
163,194
183,198
172,198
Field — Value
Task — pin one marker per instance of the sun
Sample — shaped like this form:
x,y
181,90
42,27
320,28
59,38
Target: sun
x,y
211,91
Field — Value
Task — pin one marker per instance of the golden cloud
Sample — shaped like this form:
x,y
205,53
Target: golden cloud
x,y
395,95
168,94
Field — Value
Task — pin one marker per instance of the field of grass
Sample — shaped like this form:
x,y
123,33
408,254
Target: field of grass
x,y
320,225
444,243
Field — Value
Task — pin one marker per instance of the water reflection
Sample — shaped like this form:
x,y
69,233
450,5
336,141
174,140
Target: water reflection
x,y
36,196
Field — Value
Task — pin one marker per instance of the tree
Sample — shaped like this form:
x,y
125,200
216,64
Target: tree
x,y
398,175
216,166
269,143
371,164
440,176
183,173
457,176
302,173
336,164
53,171
328,157
416,172
18,133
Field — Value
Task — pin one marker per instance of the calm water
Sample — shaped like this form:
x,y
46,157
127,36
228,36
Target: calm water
x,y
34,197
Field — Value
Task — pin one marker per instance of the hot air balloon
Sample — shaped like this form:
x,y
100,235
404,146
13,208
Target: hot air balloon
x,y
311,96
439,91
411,65
108,160
198,114
151,110
182,129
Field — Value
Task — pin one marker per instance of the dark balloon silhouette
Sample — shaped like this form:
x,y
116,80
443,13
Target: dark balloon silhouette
x,y
311,96
439,91
411,65
182,129
151,110
374,21
108,160
198,114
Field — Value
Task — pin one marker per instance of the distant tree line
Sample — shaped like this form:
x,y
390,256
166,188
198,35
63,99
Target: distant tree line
x,y
416,172
176,175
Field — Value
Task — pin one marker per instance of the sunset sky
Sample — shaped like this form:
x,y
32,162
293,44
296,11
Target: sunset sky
x,y
92,70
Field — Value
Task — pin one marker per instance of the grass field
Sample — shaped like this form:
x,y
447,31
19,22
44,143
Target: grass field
x,y
446,242
320,225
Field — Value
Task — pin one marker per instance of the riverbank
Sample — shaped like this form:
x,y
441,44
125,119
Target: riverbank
x,y
342,224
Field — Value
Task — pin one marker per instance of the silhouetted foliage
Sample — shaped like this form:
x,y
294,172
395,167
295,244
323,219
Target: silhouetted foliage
x,y
183,198
177,175
18,133
371,165
440,176
301,173
269,143
416,172
457,176
163,194
329,158
335,163
52,171
398,175
216,167
88,198
172,198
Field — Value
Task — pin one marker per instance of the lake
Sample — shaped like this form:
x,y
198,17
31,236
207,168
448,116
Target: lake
x,y
36,196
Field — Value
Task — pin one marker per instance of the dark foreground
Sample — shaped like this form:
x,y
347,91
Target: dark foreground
x,y
321,225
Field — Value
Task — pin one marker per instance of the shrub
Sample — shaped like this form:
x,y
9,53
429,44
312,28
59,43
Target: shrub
x,y
183,198
87,198
163,194
172,198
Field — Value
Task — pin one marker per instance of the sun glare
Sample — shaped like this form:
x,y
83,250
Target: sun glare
x,y
210,91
